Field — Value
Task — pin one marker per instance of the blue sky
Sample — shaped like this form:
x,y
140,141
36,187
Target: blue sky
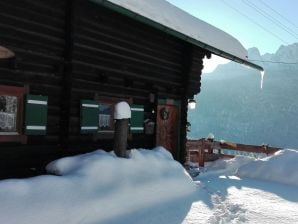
x,y
265,24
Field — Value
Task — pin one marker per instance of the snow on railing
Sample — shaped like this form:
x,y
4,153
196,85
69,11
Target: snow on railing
x,y
201,150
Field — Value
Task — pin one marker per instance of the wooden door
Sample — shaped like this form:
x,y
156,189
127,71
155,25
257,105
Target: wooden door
x,y
166,129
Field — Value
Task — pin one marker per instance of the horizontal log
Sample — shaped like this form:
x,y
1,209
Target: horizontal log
x,y
119,78
113,87
102,38
199,143
30,34
37,68
47,90
89,94
43,10
248,148
31,44
127,60
99,18
155,70
129,57
32,78
81,66
87,34
35,26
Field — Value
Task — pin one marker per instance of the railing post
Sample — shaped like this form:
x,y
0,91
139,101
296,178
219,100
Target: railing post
x,y
201,155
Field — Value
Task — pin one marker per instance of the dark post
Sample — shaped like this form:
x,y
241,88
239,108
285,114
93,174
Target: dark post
x,y
120,137
66,82
122,115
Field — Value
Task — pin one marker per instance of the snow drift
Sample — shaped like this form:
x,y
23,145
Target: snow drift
x,y
281,167
99,187
151,188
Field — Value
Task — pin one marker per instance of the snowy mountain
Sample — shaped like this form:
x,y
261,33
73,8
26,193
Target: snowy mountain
x,y
233,107
287,54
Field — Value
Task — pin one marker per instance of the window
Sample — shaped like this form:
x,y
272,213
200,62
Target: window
x,y
105,115
97,116
8,114
11,113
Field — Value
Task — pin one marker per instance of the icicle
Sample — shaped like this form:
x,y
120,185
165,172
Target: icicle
x,y
262,78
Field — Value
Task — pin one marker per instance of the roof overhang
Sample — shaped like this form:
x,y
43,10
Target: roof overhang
x,y
168,18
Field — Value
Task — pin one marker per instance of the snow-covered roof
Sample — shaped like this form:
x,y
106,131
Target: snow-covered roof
x,y
167,17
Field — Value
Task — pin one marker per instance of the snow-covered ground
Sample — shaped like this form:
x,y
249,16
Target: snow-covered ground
x,y
248,190
151,187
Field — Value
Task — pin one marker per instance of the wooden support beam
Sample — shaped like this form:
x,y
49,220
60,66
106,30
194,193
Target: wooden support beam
x,y
67,74
248,148
185,77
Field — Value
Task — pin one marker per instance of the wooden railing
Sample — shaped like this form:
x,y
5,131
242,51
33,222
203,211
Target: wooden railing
x,y
201,150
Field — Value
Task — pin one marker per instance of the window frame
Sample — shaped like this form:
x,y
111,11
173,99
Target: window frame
x,y
18,92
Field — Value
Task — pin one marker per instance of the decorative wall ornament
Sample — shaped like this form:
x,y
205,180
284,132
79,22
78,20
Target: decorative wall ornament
x,y
164,114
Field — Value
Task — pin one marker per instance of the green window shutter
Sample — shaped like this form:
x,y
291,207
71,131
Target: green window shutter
x,y
36,109
137,119
89,116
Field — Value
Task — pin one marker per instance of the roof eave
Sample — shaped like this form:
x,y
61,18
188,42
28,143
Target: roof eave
x,y
175,33
236,59
221,53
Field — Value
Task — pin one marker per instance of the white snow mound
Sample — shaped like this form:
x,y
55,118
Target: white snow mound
x,y
281,167
122,111
99,187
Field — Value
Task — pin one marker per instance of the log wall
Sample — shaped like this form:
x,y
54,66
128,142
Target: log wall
x,y
34,31
74,50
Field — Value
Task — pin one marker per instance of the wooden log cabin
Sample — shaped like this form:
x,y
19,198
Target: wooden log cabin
x,y
65,63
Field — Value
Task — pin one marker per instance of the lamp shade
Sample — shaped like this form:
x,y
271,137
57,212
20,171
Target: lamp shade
x,y
191,104
5,53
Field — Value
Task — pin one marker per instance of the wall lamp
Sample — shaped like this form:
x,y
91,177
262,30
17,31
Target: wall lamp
x,y
191,104
5,53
